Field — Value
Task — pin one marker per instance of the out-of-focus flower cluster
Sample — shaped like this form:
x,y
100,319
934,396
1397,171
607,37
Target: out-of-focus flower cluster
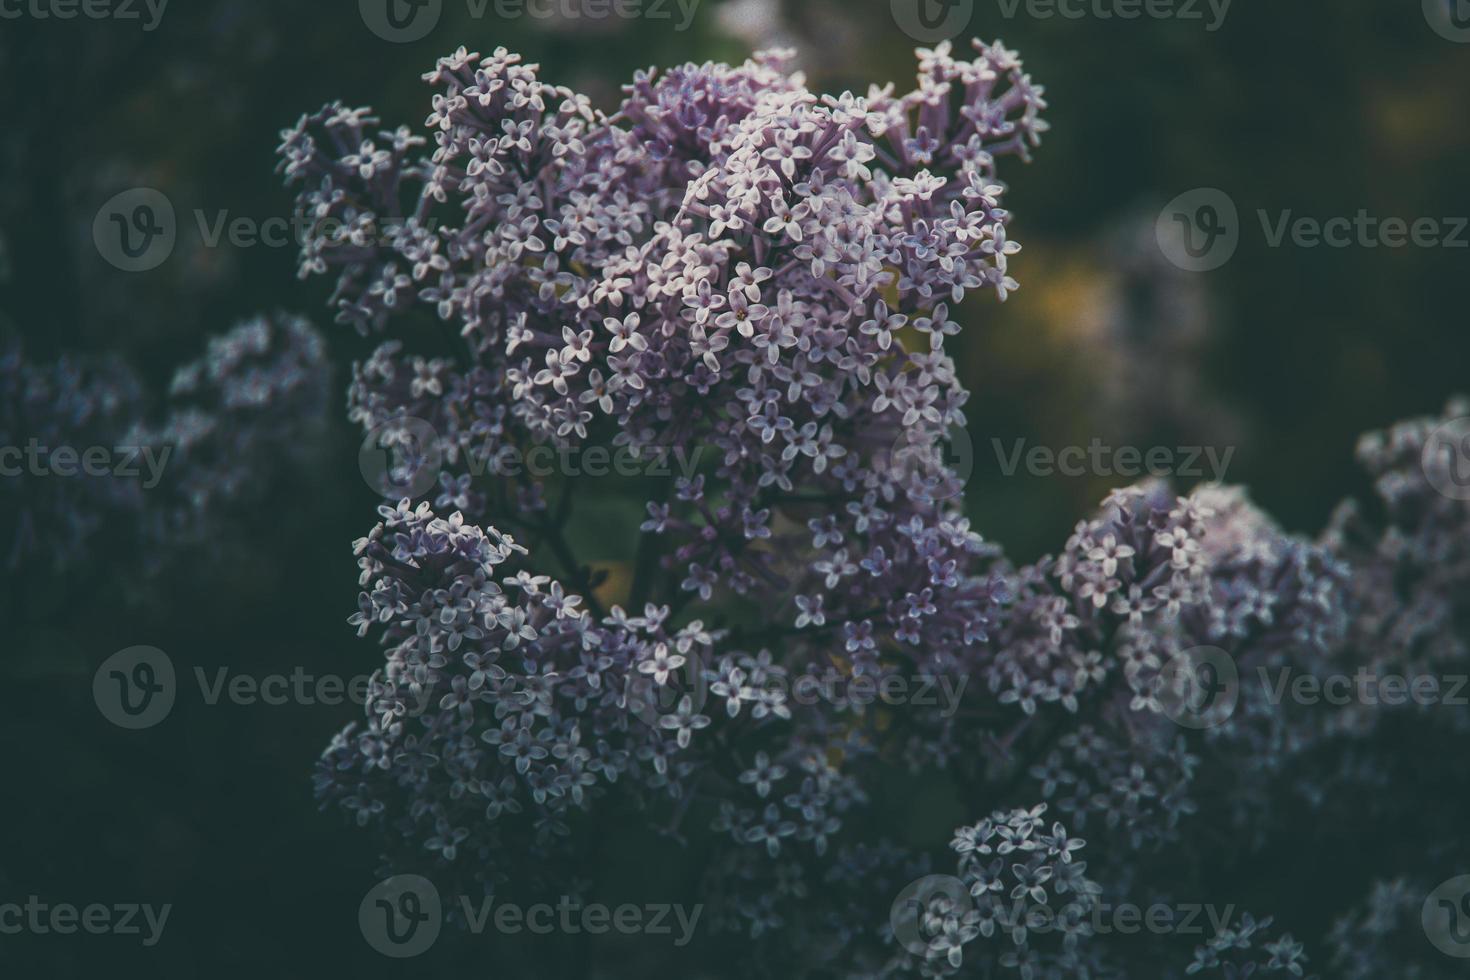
x,y
1383,936
1410,555
761,279
83,465
48,523
249,411
1148,330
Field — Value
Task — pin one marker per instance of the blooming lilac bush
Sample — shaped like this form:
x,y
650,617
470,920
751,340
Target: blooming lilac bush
x,y
724,263
762,279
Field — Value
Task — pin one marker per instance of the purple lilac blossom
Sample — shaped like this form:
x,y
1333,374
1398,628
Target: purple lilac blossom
x,y
732,263
729,262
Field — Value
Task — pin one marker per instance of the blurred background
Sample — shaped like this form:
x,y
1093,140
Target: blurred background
x,y
1282,356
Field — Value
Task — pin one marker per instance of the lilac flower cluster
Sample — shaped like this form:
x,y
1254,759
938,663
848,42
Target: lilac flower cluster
x,y
535,707
49,522
251,410
1087,656
1084,659
238,419
731,263
1411,559
1242,950
1024,890
1383,936
726,262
